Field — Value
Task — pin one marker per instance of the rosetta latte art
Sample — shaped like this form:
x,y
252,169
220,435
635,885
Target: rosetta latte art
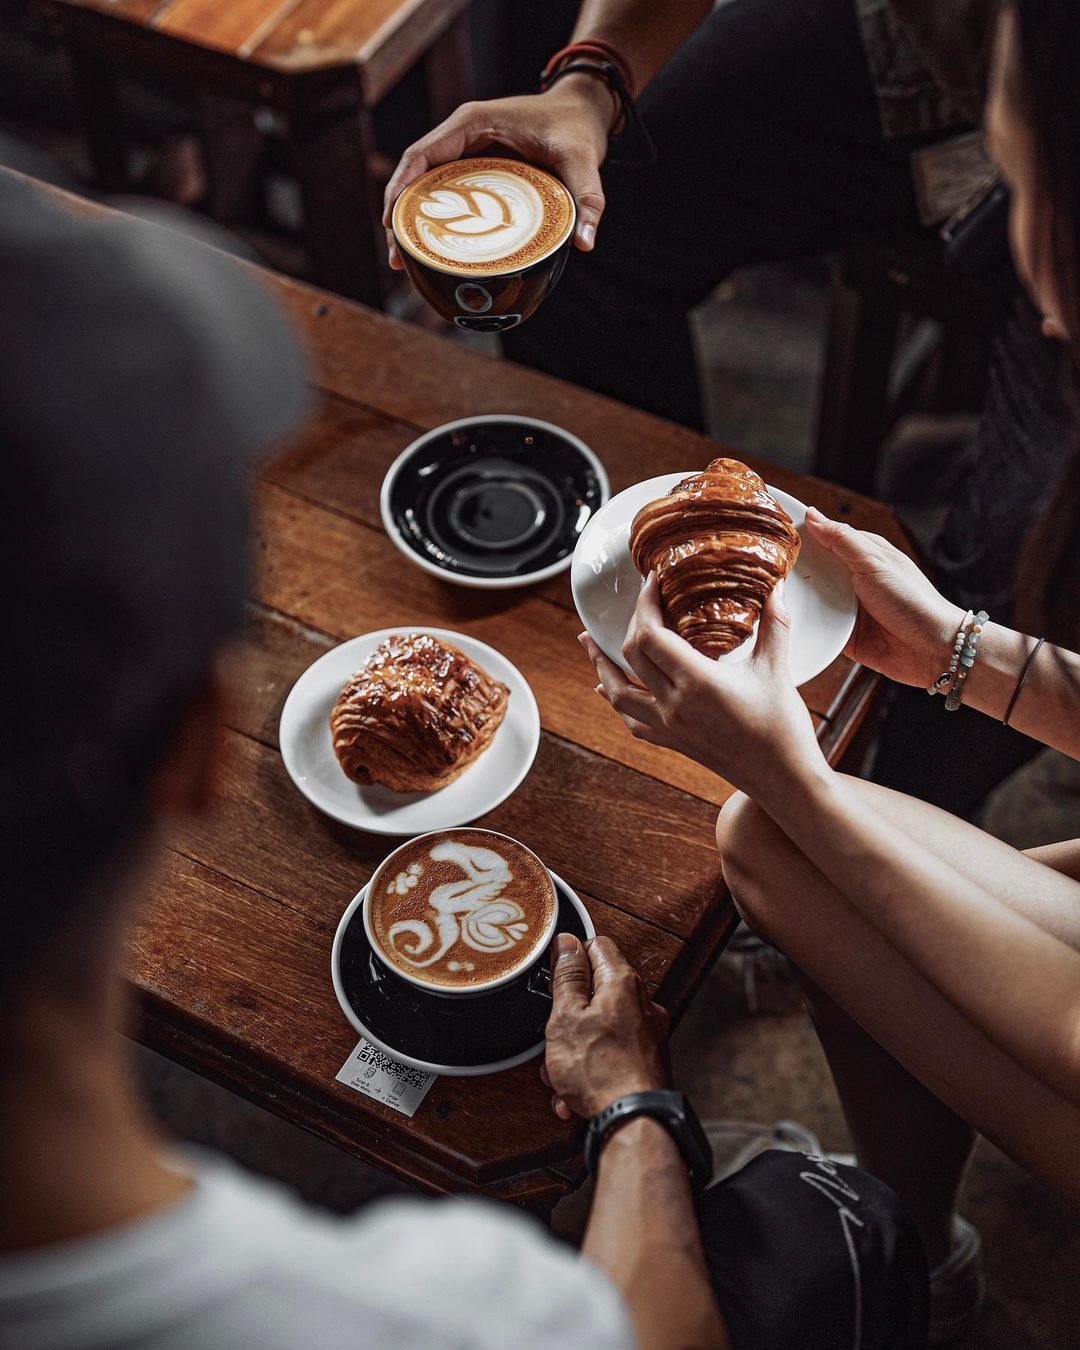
x,y
479,217
471,911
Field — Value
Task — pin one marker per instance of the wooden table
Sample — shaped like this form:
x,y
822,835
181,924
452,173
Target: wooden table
x,y
230,963
318,66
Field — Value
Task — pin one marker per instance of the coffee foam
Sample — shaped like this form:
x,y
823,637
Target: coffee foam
x,y
482,217
461,908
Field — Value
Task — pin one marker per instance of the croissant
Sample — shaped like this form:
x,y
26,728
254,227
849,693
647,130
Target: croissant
x,y
415,715
718,543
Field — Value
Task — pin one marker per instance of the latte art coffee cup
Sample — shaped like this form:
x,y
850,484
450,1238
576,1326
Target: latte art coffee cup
x,y
484,240
460,911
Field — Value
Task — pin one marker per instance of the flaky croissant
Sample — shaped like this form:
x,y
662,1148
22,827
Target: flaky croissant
x,y
415,715
718,543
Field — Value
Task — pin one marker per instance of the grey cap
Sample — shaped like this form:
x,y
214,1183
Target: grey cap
x,y
141,372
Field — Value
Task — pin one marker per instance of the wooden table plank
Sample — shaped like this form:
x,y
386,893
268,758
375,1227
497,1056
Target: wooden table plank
x,y
628,840
382,39
341,458
343,578
419,378
236,28
132,11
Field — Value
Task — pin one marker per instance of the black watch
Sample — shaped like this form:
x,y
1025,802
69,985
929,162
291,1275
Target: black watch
x,y
673,1111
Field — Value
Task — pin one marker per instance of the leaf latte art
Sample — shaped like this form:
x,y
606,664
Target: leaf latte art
x,y
483,216
454,911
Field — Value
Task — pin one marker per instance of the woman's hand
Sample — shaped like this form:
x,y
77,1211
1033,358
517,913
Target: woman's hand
x,y
905,628
604,1037
745,720
565,130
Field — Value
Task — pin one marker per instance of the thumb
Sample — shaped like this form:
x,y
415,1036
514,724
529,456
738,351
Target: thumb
x,y
774,630
571,974
581,175
847,544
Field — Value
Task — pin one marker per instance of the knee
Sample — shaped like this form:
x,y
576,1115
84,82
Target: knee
x,y
746,838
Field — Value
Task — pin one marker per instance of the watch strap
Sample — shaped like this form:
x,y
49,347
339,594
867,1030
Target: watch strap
x,y
672,1110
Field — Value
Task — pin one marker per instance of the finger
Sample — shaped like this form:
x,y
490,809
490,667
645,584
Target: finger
x,y
774,631
466,129
856,549
650,640
561,1109
545,1077
581,174
628,700
662,1018
571,974
608,963
393,254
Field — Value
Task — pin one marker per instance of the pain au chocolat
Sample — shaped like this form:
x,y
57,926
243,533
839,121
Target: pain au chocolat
x,y
718,543
415,715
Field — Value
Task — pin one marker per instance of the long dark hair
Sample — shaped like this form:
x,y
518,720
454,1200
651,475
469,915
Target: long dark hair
x,y
1045,79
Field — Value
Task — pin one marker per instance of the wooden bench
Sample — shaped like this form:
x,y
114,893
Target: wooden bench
x,y
318,66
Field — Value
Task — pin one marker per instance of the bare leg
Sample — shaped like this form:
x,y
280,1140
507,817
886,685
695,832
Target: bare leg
x,y
913,1075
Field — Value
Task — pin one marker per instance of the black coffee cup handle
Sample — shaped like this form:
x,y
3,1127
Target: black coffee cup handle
x,y
538,980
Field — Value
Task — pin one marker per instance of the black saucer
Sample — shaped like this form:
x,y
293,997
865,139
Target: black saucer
x,y
492,501
456,1034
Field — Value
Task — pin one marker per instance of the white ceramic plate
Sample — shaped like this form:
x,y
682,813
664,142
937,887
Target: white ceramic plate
x,y
309,756
606,584
451,1070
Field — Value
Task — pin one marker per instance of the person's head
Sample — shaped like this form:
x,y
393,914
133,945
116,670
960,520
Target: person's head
x,y
1033,130
138,370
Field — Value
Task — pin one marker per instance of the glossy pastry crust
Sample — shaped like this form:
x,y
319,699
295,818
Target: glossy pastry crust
x,y
415,715
719,543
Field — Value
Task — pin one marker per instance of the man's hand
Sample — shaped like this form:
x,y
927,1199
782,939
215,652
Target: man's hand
x,y
564,130
604,1037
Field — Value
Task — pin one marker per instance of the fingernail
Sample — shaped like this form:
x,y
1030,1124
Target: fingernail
x,y
587,235
583,638
563,946
599,690
812,513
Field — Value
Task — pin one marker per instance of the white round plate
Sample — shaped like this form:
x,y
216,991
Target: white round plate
x,y
308,751
451,1070
606,584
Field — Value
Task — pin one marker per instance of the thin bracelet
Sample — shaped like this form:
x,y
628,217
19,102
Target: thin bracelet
x,y
967,661
604,62
946,679
1020,682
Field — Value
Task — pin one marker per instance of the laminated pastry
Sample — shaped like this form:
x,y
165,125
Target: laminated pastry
x,y
415,715
719,543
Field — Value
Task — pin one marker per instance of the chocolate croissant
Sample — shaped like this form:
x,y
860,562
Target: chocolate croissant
x,y
415,715
718,543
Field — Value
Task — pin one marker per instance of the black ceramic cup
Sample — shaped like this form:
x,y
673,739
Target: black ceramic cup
x,y
485,240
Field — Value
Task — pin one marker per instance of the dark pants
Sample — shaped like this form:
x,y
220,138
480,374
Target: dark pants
x,y
806,1255
770,147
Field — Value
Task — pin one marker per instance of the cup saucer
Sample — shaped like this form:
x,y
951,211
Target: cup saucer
x,y
492,501
606,584
461,1037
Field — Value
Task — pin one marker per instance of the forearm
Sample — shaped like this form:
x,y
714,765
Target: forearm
x,y
1018,984
1048,708
643,1232
646,32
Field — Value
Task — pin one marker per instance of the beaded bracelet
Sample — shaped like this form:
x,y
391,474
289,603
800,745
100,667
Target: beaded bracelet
x,y
946,679
967,660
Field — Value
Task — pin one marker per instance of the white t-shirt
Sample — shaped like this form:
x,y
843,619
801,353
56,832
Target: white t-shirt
x,y
240,1265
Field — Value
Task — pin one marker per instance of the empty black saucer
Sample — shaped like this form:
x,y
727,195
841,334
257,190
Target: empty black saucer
x,y
447,1035
493,501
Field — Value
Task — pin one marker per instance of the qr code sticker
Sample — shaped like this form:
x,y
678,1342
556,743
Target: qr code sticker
x,y
375,1058
375,1074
